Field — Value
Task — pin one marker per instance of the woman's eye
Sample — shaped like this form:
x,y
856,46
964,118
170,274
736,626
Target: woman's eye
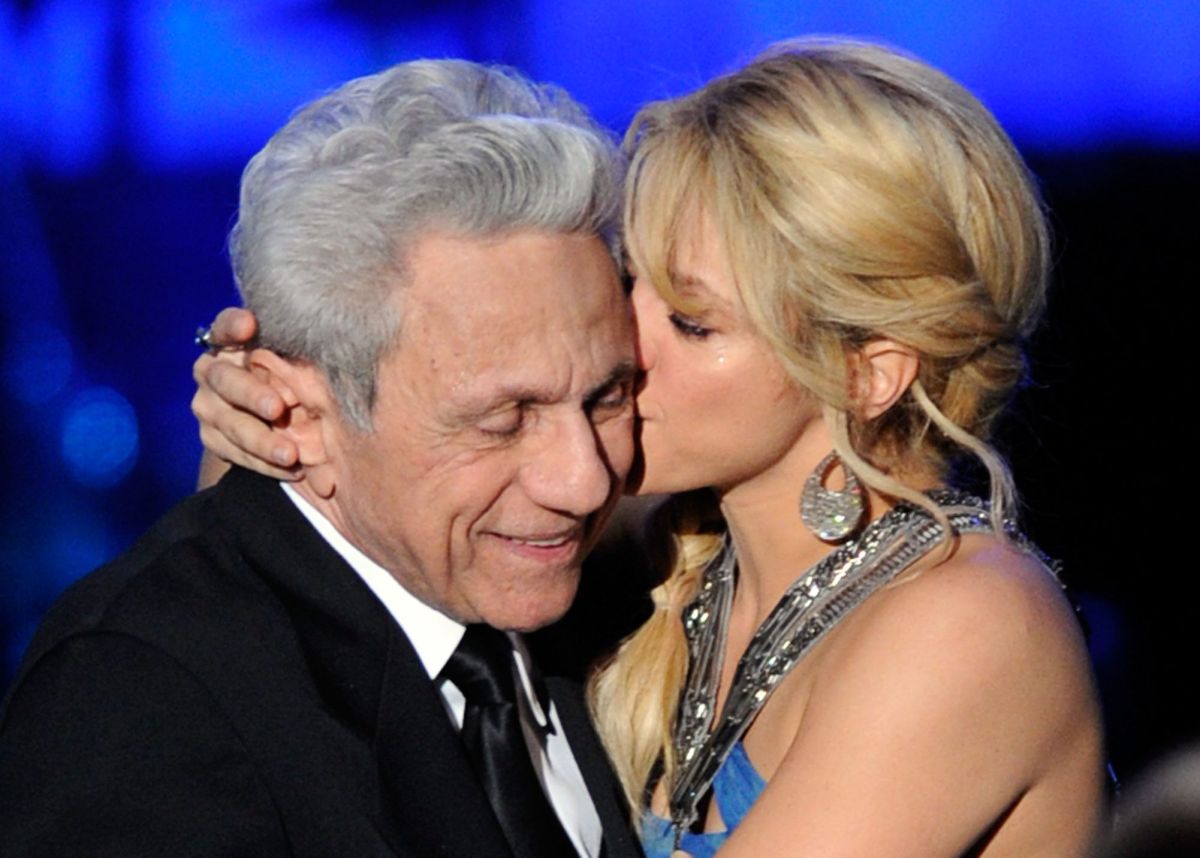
x,y
688,327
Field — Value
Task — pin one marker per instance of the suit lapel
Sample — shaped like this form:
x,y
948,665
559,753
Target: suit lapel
x,y
433,795
606,794
340,625
368,674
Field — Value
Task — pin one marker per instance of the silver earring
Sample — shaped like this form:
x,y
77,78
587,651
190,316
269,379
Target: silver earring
x,y
831,515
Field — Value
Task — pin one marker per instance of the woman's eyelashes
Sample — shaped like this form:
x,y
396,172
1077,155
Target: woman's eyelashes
x,y
688,326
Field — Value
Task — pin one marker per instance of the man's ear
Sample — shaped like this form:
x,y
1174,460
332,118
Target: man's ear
x,y
883,371
310,417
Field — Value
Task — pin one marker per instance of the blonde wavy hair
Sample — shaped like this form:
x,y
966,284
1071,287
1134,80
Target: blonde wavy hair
x,y
860,194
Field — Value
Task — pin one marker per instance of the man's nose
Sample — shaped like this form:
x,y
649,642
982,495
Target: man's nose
x,y
570,474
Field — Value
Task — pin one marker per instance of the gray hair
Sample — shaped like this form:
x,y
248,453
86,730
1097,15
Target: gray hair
x,y
331,203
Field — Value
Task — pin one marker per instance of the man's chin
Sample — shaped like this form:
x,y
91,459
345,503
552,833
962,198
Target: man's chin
x,y
535,610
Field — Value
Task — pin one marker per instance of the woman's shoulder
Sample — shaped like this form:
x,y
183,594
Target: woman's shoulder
x,y
992,576
989,600
987,630
946,697
1002,594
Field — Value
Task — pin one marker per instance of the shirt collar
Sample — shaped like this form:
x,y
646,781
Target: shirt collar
x,y
433,634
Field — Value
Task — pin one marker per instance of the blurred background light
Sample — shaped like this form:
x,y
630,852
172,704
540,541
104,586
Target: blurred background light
x,y
59,59
99,438
36,363
185,82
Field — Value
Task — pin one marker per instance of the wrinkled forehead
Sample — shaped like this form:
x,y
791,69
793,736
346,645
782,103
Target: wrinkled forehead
x,y
513,308
460,268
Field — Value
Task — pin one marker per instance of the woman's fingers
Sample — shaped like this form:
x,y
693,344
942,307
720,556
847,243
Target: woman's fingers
x,y
233,328
241,443
224,382
235,410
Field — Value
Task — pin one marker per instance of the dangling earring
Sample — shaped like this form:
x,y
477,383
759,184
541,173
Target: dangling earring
x,y
831,515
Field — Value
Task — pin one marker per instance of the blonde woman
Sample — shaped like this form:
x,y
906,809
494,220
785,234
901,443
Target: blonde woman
x,y
836,254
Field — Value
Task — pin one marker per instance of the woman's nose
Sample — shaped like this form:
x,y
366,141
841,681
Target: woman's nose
x,y
644,300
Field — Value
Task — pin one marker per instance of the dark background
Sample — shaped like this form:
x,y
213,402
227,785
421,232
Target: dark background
x,y
124,127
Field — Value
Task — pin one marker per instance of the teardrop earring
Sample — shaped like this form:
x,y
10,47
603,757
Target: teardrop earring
x,y
831,515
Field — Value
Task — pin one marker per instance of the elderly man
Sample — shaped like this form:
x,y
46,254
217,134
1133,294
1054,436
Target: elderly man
x,y
335,667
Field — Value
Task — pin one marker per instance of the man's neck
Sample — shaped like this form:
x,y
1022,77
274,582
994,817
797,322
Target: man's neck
x,y
433,634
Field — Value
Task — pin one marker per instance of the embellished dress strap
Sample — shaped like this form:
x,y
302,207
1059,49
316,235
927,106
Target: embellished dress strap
x,y
813,605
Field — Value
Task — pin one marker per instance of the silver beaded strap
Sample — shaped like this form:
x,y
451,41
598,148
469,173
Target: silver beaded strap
x,y
812,605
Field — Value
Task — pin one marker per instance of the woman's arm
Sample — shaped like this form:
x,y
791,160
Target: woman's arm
x,y
236,409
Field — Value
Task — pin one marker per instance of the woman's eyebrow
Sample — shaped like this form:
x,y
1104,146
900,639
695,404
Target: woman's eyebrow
x,y
694,287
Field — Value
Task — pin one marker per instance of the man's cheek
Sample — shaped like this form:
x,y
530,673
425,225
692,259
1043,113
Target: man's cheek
x,y
618,445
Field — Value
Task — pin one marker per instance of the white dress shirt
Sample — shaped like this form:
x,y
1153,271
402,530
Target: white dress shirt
x,y
435,636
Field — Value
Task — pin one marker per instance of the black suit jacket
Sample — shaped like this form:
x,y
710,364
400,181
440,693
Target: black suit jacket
x,y
231,687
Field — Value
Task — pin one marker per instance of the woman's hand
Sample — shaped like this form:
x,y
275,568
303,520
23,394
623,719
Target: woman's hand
x,y
235,408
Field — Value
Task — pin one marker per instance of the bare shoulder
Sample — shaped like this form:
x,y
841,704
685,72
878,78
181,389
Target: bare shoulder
x,y
952,712
953,705
990,606
1004,598
985,637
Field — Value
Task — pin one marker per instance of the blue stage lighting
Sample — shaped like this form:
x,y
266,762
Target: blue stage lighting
x,y
37,363
100,438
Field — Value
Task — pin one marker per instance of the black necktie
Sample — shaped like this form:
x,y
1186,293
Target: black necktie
x,y
482,668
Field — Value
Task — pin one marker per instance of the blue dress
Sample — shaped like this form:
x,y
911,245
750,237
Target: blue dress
x,y
735,788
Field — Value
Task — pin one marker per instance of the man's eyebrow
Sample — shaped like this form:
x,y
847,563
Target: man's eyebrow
x,y
520,394
620,374
502,399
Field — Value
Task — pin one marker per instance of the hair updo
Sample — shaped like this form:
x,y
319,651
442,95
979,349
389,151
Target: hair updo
x,y
860,195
